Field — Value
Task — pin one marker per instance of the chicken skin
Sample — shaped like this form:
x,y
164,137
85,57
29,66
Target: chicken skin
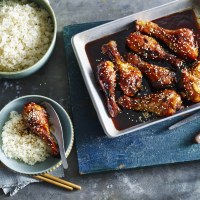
x,y
148,47
181,41
159,77
130,77
36,119
190,83
163,103
106,76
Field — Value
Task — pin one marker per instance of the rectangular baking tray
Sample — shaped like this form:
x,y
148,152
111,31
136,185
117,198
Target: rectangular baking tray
x,y
80,40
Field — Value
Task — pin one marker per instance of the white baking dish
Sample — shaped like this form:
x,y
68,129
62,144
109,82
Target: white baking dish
x,y
80,40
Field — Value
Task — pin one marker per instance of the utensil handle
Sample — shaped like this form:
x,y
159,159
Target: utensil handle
x,y
53,182
62,181
63,157
185,121
59,138
58,133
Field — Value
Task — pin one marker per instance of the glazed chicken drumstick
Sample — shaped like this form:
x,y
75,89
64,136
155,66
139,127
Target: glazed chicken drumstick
x,y
181,41
36,119
130,77
159,77
190,83
147,47
106,76
163,103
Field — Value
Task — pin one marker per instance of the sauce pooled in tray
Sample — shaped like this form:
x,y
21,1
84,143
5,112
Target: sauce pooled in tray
x,y
129,118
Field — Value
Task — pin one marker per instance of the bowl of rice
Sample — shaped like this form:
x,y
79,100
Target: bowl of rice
x,y
27,36
25,152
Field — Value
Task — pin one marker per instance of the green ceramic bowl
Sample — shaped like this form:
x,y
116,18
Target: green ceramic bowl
x,y
50,163
32,69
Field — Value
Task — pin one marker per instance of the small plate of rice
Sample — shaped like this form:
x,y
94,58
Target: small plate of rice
x,y
23,151
27,36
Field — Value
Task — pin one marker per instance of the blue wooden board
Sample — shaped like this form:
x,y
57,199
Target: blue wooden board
x,y
96,152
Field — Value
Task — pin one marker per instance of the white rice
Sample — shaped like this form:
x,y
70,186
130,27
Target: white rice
x,y
26,32
19,143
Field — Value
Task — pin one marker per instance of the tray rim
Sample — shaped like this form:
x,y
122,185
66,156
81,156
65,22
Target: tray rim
x,y
79,41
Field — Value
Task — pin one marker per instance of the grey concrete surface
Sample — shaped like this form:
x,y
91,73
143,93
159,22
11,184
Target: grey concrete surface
x,y
169,182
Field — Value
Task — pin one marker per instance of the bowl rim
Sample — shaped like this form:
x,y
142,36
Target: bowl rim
x,y
68,150
49,50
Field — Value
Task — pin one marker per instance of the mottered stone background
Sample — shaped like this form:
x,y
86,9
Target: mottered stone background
x,y
177,181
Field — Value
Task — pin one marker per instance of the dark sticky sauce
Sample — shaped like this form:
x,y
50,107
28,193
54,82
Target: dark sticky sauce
x,y
129,118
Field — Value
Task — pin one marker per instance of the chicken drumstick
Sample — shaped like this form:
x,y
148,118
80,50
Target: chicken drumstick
x,y
190,83
36,119
106,76
163,103
147,47
130,77
181,41
159,77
